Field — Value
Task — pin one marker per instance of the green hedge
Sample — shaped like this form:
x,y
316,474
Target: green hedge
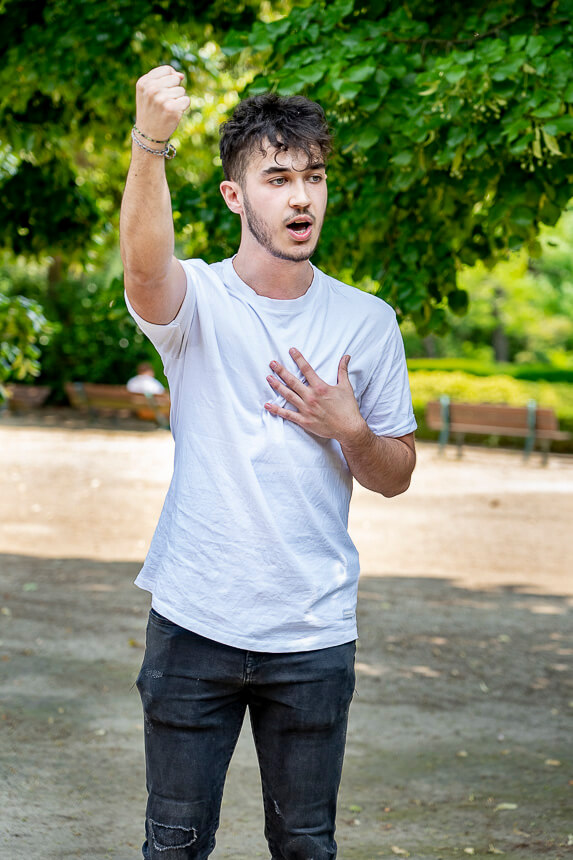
x,y
533,372
429,385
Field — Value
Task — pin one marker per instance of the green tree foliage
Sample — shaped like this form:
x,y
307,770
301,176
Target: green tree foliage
x,y
93,337
453,124
521,310
67,102
22,327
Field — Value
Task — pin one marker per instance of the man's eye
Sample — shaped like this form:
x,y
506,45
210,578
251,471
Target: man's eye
x,y
280,180
316,177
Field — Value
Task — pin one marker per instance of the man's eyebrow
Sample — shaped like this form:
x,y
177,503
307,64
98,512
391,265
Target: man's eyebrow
x,y
319,165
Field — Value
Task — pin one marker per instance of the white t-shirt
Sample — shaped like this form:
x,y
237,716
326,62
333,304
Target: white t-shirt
x,y
252,547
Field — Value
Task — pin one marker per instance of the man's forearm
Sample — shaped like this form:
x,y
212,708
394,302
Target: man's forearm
x,y
146,222
381,463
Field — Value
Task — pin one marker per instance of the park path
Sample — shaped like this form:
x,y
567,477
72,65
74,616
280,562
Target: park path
x,y
459,740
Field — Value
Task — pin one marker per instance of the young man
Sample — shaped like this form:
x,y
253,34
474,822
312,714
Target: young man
x,y
285,385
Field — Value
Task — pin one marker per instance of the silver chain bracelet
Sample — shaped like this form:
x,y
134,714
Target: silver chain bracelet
x,y
169,151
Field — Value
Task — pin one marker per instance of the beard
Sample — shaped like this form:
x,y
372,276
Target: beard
x,y
261,231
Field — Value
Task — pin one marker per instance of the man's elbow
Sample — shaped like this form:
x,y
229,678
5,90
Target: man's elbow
x,y
402,480
397,489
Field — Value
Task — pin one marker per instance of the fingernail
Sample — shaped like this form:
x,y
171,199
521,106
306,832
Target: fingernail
x,y
273,365
293,351
347,360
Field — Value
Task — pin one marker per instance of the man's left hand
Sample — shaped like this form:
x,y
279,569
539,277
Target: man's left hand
x,y
330,411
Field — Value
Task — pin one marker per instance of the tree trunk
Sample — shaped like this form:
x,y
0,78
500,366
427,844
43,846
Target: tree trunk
x,y
499,339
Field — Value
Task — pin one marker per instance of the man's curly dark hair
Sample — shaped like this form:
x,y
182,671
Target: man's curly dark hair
x,y
291,123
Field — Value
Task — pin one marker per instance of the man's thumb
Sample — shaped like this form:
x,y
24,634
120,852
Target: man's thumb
x,y
343,368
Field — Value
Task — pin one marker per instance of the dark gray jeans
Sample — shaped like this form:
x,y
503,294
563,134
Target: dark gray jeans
x,y
195,693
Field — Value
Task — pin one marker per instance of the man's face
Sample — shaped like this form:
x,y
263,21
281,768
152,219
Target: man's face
x,y
284,200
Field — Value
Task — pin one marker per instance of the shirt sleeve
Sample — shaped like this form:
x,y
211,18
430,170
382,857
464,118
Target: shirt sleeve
x,y
386,404
170,339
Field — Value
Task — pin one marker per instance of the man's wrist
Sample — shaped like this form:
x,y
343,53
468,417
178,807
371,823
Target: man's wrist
x,y
356,438
161,148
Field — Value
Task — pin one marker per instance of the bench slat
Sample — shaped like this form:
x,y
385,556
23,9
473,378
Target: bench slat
x,y
93,396
494,419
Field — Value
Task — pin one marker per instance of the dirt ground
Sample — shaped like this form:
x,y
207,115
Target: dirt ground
x,y
460,732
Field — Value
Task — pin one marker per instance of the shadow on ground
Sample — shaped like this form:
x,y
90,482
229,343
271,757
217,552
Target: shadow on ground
x,y
459,742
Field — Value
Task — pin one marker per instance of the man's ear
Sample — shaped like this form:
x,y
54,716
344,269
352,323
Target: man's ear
x,y
232,195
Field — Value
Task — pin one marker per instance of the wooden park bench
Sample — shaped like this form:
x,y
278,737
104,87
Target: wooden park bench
x,y
22,398
494,419
116,400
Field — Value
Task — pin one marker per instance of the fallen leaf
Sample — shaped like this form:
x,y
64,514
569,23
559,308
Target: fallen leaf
x,y
493,850
469,851
552,762
462,754
401,851
501,806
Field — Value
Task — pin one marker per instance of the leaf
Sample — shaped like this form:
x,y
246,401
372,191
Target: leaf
x,y
455,74
547,109
402,159
550,142
313,73
347,89
501,807
536,145
563,124
522,216
400,851
368,137
536,45
361,72
431,89
508,69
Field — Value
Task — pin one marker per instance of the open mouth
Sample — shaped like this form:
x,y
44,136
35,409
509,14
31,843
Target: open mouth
x,y
300,227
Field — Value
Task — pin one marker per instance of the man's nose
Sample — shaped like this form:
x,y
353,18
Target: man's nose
x,y
299,197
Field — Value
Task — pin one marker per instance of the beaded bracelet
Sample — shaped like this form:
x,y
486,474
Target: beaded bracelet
x,y
150,139
169,151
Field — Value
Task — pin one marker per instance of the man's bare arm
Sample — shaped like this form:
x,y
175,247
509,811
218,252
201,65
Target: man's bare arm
x,y
380,463
154,279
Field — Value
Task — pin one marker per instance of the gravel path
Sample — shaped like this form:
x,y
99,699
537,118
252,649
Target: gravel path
x,y
460,735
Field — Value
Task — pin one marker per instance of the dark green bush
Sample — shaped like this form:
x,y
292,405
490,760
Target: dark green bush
x,y
532,372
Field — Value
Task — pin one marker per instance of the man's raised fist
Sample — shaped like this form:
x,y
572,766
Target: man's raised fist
x,y
160,102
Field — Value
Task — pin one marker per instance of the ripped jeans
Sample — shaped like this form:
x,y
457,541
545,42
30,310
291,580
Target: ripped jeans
x,y
195,693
